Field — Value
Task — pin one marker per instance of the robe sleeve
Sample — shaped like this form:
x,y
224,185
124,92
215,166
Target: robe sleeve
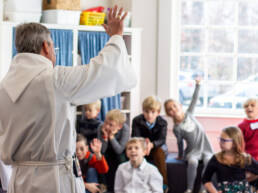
x,y
107,74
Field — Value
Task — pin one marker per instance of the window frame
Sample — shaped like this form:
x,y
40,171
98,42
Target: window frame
x,y
169,54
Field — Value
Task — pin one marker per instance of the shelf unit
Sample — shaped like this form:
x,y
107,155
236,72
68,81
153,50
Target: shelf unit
x,y
132,37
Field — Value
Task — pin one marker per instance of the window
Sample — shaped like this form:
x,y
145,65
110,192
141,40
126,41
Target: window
x,y
218,42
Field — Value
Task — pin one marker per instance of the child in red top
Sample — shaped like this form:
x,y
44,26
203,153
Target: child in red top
x,y
249,127
89,160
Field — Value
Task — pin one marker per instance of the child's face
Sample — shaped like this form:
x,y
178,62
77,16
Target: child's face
x,y
174,109
150,115
111,126
225,142
81,149
135,152
251,110
91,112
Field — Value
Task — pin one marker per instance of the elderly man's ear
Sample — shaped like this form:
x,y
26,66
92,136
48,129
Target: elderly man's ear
x,y
45,49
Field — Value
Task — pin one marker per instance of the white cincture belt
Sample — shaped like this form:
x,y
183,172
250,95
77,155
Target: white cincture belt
x,y
67,162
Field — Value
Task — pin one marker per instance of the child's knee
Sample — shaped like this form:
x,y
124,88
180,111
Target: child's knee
x,y
193,162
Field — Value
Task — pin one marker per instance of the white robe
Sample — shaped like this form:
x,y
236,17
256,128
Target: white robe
x,y
36,117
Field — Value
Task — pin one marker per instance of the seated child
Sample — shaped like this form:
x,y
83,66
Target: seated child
x,y
153,128
230,165
114,134
137,175
88,127
187,128
249,127
88,160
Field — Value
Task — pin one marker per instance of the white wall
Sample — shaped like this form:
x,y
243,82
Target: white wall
x,y
1,10
145,17
86,4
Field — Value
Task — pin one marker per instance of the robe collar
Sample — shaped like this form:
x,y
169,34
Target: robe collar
x,y
23,69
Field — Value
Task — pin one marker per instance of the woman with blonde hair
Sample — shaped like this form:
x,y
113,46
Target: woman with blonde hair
x,y
230,164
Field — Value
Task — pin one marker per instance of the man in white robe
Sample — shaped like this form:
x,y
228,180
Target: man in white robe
x,y
37,134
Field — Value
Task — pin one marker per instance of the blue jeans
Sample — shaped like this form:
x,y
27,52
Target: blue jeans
x,y
91,177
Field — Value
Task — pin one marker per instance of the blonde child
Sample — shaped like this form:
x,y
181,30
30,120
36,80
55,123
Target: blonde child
x,y
249,128
153,128
187,128
137,175
230,165
88,127
114,134
88,160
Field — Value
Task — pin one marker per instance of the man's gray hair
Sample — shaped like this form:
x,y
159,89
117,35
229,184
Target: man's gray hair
x,y
29,37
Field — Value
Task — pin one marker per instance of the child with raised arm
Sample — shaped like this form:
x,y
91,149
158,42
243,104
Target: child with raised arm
x,y
137,175
151,126
88,161
230,165
88,127
114,134
187,128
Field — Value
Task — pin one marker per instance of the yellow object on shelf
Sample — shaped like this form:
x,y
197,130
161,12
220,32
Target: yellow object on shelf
x,y
92,18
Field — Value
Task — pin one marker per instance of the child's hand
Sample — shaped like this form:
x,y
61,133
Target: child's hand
x,y
112,133
149,146
250,176
179,158
104,132
95,146
198,80
92,187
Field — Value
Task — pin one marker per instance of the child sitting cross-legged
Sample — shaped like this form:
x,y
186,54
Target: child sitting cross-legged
x,y
88,161
137,175
153,128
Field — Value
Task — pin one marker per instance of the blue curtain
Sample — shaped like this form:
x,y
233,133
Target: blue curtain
x,y
90,43
63,40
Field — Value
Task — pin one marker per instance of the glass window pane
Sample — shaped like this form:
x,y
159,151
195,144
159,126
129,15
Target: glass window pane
x,y
221,99
192,40
248,41
194,64
220,68
248,13
247,69
221,40
221,13
186,88
192,13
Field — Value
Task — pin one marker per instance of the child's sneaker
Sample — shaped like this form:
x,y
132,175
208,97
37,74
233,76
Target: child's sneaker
x,y
103,188
165,188
188,191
